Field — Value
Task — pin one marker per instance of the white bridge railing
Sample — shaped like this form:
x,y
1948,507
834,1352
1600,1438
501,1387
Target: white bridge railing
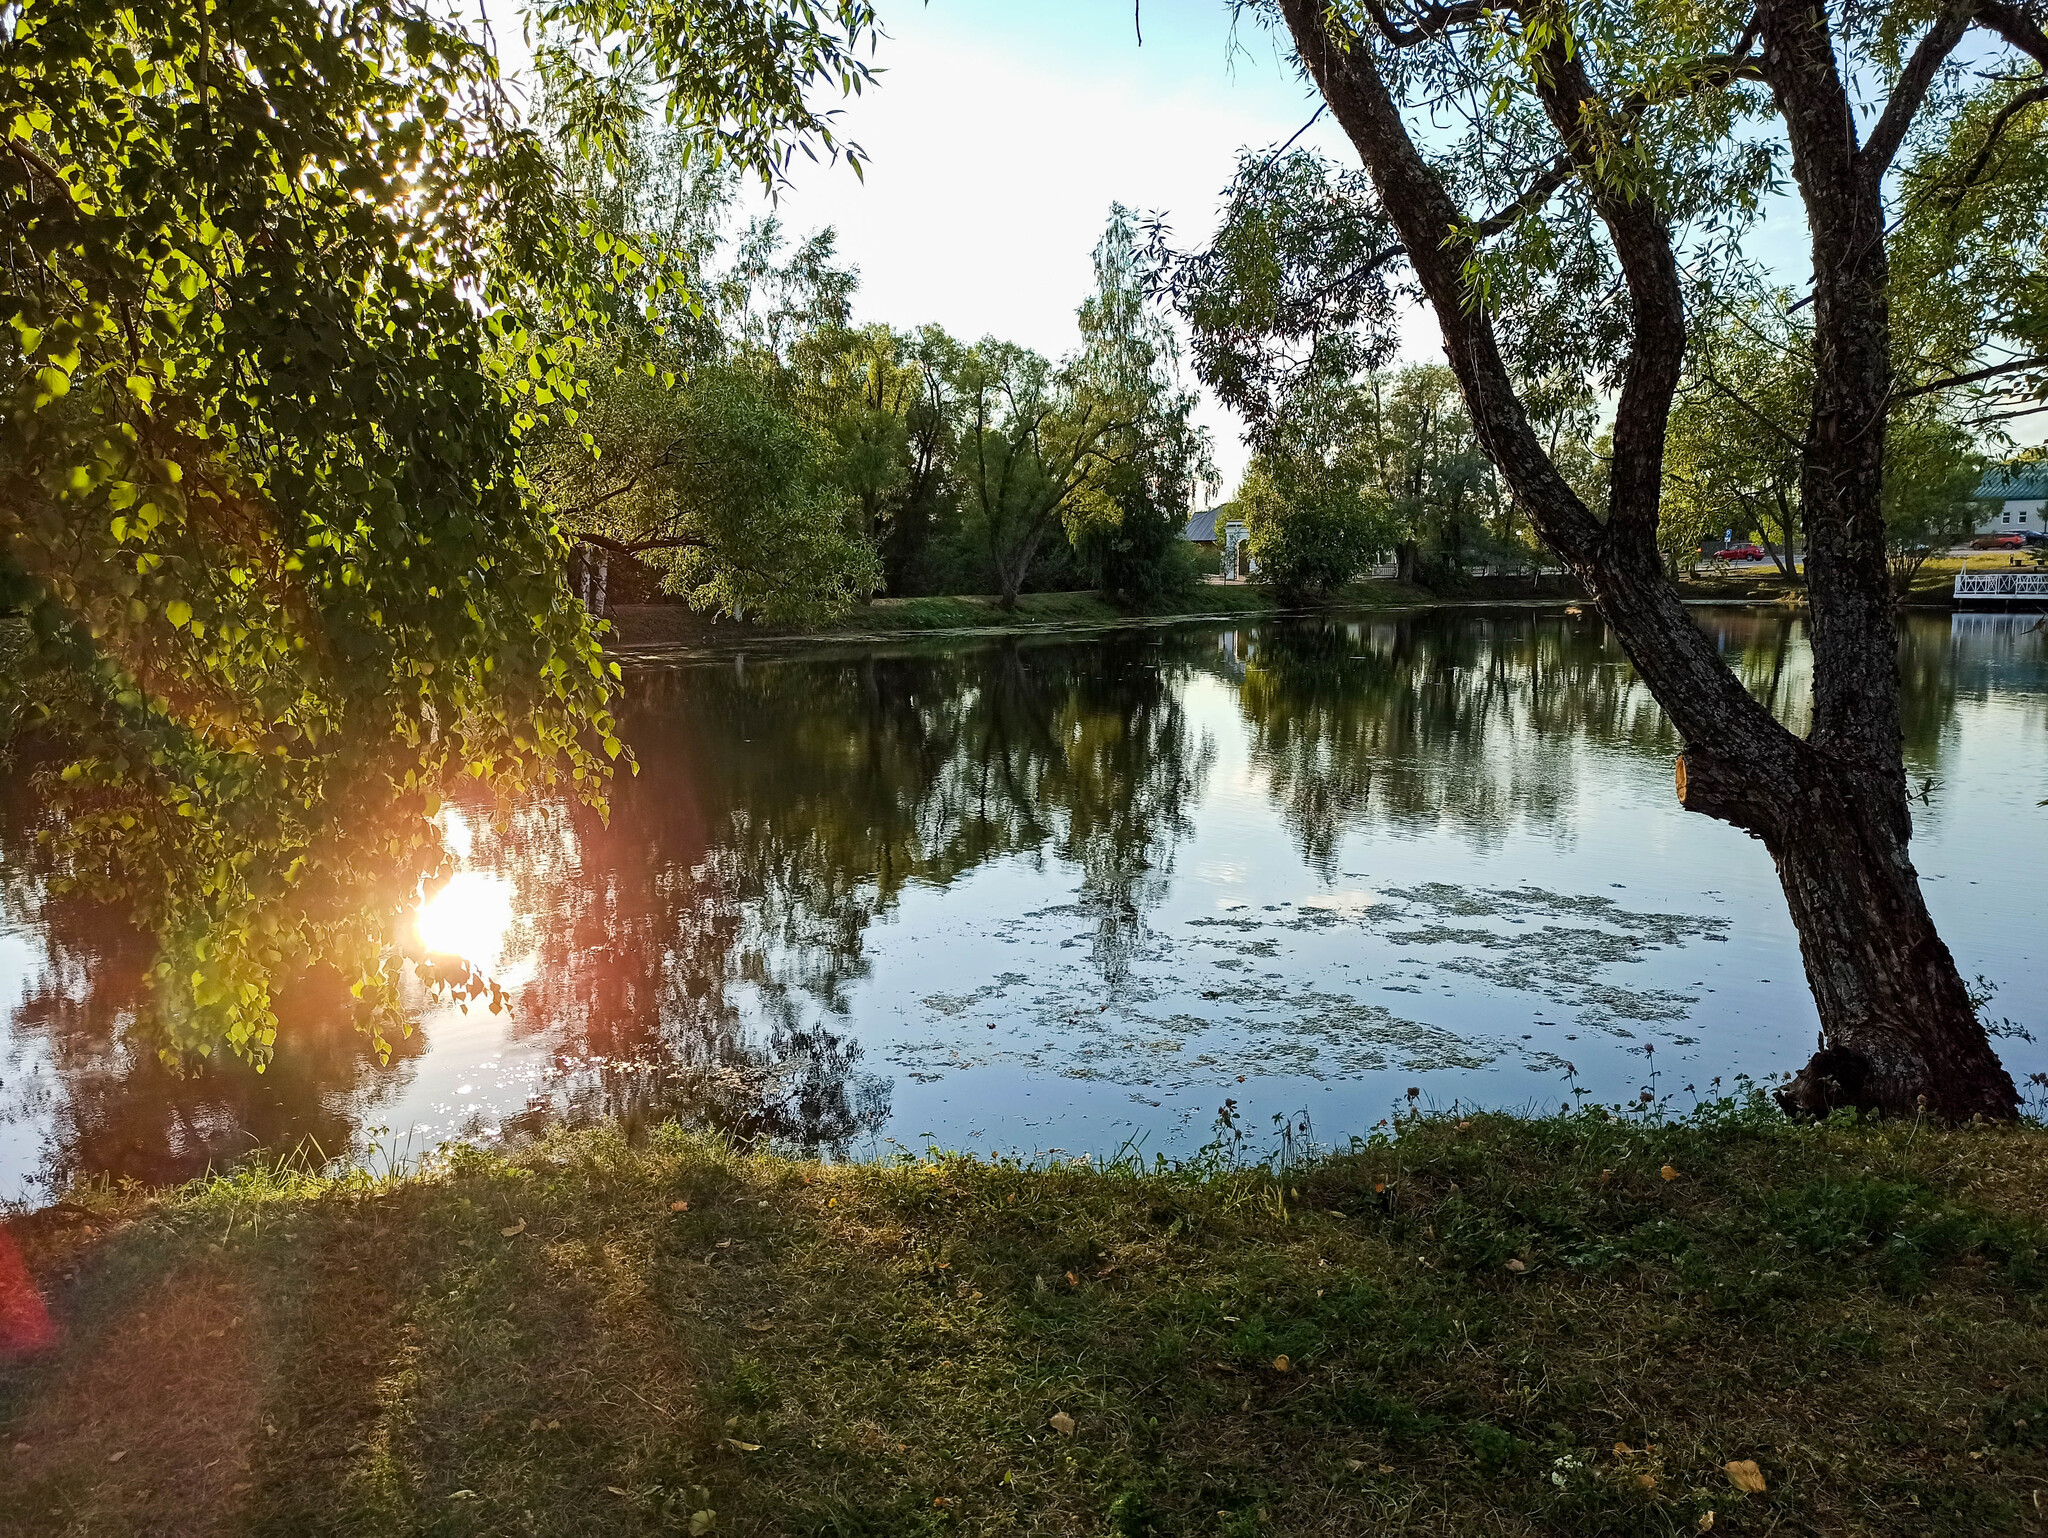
x,y
2001,584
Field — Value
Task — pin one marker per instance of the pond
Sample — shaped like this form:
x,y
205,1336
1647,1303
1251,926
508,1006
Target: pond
x,y
1077,894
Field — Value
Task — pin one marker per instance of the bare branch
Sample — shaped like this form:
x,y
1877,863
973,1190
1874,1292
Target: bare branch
x,y
1430,22
640,546
1975,376
2019,27
1911,90
1533,197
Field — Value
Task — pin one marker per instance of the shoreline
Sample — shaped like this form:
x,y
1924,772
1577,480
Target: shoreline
x,y
652,632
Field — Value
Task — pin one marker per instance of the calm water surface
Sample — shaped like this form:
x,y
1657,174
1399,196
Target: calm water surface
x,y
1067,894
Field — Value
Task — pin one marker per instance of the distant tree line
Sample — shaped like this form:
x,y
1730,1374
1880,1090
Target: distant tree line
x,y
771,459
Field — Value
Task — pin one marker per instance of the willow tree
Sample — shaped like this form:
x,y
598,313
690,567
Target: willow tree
x,y
282,284
1568,184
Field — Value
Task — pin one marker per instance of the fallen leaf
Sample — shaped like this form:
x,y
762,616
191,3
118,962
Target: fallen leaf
x,y
723,1244
1668,1173
1516,1265
615,1490
117,1457
1745,1475
745,1447
1605,1176
1062,1422
554,1425
679,1207
1281,1364
1356,1465
700,1522
515,1230
1463,1125
1706,1522
1073,1280
762,1328
1647,1481
463,1495
1386,1468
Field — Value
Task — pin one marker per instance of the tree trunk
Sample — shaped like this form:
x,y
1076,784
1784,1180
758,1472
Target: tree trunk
x,y
1885,985
1897,1027
1405,560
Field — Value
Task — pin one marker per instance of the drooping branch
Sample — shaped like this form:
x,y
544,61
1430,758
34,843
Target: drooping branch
x,y
2007,115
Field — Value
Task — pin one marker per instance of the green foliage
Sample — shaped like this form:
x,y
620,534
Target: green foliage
x,y
1309,523
1132,516
1969,254
715,483
1932,467
1033,439
284,287
1292,294
1732,458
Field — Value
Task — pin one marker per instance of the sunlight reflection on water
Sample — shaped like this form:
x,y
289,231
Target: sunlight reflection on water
x,y
1073,892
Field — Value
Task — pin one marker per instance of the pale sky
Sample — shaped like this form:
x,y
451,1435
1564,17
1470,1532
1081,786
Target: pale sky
x,y
1002,132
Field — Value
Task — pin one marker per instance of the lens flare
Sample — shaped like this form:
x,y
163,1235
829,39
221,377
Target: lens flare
x,y
469,917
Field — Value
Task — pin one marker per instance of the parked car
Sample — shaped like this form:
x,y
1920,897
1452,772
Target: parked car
x,y
2035,539
1739,553
1998,542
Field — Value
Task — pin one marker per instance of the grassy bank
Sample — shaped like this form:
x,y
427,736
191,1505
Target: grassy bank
x,y
659,624
1496,1326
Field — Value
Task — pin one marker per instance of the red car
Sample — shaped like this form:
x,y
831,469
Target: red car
x,y
1739,553
1999,542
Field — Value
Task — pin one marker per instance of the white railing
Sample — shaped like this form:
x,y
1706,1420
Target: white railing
x,y
2001,584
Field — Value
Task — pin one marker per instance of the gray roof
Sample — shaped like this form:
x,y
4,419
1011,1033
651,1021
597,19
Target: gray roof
x,y
1202,527
2016,483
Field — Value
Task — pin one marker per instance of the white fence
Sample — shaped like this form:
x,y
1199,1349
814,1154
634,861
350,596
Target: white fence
x,y
2001,584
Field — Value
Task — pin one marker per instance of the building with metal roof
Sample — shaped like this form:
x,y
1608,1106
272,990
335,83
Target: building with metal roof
x,y
2014,498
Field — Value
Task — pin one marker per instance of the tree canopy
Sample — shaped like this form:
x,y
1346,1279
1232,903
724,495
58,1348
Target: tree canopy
x,y
1572,190
285,285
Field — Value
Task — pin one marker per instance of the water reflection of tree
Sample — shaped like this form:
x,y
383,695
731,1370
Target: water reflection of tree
x,y
717,925
715,932
1430,719
73,1062
1475,720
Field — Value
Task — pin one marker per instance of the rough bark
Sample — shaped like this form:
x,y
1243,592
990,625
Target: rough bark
x,y
1898,1031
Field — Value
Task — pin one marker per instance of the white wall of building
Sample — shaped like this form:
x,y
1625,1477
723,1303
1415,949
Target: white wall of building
x,y
2014,517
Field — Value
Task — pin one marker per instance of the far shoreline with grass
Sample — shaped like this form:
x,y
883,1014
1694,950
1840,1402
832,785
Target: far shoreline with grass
x,y
1592,1323
652,626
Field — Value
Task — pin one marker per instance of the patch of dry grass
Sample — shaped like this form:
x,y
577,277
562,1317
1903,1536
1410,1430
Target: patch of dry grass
x,y
1498,1325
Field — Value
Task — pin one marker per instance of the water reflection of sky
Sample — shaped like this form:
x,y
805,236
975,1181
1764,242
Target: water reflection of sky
x,y
1069,895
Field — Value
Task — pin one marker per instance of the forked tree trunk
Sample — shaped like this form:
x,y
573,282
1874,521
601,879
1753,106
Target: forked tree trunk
x,y
1898,1032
